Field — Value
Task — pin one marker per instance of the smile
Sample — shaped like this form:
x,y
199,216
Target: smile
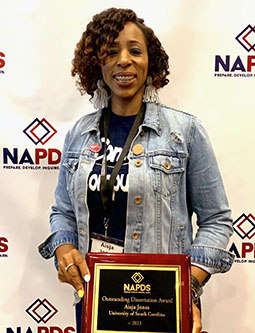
x,y
124,79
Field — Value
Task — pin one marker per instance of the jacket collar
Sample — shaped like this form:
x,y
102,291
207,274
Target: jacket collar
x,y
153,117
92,122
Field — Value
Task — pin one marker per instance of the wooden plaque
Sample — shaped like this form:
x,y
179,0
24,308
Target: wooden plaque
x,y
137,293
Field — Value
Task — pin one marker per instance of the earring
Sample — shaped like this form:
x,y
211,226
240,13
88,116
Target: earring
x,y
100,98
150,93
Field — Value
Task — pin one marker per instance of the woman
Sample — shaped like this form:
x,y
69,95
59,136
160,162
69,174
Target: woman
x,y
168,173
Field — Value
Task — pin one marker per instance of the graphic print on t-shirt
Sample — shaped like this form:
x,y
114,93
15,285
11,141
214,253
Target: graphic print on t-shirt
x,y
112,156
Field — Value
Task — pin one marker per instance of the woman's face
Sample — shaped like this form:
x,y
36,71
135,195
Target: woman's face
x,y
125,69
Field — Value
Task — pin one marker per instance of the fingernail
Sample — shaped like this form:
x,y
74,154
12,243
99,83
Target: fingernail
x,y
80,293
87,277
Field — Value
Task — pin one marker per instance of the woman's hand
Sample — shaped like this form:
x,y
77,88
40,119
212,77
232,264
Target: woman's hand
x,y
197,324
200,275
72,267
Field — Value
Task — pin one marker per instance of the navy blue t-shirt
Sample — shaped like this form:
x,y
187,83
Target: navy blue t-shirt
x,y
119,128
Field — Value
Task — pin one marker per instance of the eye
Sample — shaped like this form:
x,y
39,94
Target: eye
x,y
135,51
113,52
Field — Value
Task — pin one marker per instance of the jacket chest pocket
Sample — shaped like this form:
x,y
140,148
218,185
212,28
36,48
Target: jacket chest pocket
x,y
166,172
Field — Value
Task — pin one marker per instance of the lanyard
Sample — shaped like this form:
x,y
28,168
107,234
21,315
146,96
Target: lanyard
x,y
106,186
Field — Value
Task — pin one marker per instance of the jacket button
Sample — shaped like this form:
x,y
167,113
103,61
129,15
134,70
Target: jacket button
x,y
135,235
138,149
142,133
167,165
138,200
138,163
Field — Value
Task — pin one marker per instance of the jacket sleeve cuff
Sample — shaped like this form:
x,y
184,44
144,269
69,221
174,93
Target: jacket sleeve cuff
x,y
211,259
48,247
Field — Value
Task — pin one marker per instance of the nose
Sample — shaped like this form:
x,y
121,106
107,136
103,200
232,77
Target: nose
x,y
124,59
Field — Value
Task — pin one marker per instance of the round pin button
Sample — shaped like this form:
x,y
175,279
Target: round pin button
x,y
138,149
135,235
94,147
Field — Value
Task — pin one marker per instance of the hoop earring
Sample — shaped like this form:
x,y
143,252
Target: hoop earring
x,y
100,98
150,93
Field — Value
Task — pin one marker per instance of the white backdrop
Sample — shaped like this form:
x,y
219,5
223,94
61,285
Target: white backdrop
x,y
36,48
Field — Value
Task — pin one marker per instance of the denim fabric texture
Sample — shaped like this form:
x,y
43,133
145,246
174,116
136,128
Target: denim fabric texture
x,y
177,175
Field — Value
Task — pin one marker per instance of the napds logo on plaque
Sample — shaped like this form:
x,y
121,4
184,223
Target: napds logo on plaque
x,y
137,287
39,132
244,247
241,65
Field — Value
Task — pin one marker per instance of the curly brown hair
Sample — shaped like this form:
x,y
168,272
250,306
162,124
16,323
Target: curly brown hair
x,y
92,49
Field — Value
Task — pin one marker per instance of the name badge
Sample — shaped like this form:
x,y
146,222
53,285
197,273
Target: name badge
x,y
100,243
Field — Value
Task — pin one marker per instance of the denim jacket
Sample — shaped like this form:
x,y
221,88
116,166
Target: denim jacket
x,y
175,176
